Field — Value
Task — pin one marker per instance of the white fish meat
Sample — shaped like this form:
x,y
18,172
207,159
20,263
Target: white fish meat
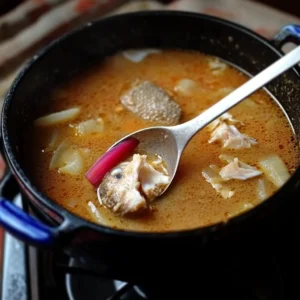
x,y
130,186
231,137
211,176
226,117
238,170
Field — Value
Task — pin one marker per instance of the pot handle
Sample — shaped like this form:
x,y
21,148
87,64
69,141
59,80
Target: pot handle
x,y
288,33
16,221
22,225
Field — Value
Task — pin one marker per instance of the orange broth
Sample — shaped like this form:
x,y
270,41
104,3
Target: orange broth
x,y
190,201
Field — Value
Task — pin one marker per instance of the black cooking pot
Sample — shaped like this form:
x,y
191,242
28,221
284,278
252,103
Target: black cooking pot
x,y
123,254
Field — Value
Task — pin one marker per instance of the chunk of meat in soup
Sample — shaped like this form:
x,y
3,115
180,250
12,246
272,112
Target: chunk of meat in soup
x,y
231,138
131,186
152,103
238,170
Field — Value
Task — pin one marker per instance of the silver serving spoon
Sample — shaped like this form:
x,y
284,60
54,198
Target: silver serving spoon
x,y
170,141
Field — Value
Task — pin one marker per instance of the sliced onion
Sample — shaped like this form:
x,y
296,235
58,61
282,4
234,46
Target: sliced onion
x,y
262,189
217,66
95,213
73,162
57,157
275,169
137,55
186,86
53,140
110,159
67,160
90,126
58,117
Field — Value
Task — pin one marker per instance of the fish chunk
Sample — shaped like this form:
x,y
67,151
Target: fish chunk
x,y
226,117
235,169
152,181
211,176
122,195
231,138
238,170
152,103
130,186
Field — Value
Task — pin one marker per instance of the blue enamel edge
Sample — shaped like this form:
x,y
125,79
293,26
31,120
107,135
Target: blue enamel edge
x,y
289,33
19,223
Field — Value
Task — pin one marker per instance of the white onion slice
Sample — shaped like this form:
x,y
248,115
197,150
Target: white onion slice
x,y
262,189
94,212
217,66
53,140
67,160
73,162
186,86
90,126
58,117
274,169
137,56
56,160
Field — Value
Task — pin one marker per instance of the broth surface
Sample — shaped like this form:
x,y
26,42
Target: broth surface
x,y
190,201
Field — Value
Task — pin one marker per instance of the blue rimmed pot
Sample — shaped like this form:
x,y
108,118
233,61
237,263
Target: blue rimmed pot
x,y
119,253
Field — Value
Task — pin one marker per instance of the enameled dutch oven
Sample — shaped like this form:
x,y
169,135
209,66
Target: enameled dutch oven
x,y
122,254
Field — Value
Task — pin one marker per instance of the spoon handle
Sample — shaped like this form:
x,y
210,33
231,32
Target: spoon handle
x,y
188,129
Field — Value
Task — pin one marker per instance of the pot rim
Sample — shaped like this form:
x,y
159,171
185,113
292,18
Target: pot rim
x,y
72,221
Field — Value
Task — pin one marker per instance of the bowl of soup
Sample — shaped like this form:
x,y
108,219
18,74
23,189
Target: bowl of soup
x,y
93,86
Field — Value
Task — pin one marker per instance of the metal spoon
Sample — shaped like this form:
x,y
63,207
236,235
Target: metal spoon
x,y
170,141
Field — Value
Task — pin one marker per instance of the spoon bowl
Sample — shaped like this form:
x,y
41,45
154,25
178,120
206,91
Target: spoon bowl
x,y
159,140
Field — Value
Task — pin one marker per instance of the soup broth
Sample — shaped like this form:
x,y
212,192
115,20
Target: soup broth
x,y
195,81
